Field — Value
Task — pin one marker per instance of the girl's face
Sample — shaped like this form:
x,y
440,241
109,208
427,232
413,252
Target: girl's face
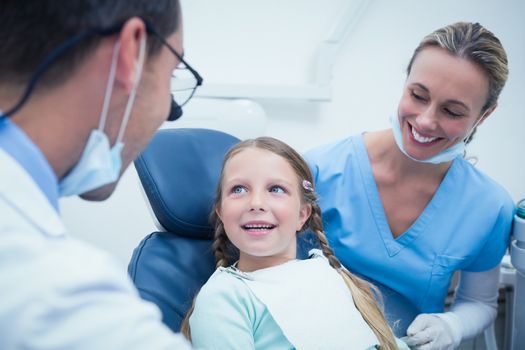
x,y
441,102
261,208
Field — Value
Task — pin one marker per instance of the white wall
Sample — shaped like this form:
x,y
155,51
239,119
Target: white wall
x,y
275,42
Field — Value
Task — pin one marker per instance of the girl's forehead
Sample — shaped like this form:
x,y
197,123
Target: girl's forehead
x,y
254,162
255,155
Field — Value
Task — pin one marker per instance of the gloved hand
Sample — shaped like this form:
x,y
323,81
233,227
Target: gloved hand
x,y
430,332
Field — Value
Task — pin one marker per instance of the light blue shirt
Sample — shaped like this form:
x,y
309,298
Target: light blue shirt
x,y
227,315
465,226
18,145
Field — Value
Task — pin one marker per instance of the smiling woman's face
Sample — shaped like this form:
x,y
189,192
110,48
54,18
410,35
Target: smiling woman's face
x,y
441,103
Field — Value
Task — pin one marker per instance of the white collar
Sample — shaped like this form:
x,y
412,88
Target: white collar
x,y
20,192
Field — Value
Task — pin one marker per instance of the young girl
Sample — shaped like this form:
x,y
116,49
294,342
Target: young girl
x,y
268,299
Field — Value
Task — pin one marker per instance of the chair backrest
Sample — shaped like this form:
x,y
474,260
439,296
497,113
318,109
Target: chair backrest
x,y
179,171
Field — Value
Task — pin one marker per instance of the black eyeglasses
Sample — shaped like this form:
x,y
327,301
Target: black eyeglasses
x,y
187,93
185,79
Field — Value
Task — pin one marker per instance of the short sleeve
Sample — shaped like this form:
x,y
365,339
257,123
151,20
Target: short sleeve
x,y
223,316
330,159
310,158
497,242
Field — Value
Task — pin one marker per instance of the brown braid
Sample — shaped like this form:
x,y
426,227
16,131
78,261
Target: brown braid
x,y
220,246
185,325
362,291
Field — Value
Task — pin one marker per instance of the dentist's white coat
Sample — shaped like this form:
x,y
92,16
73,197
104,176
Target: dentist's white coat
x,y
57,292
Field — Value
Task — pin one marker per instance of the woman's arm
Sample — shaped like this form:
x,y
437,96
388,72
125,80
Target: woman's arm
x,y
473,310
476,302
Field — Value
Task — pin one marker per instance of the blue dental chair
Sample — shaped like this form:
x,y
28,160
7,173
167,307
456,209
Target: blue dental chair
x,y
179,171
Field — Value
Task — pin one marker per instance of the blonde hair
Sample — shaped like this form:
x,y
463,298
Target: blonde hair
x,y
362,292
478,45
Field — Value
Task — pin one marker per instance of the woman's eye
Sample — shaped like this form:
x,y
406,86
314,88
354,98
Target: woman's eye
x,y
277,189
417,97
238,189
452,114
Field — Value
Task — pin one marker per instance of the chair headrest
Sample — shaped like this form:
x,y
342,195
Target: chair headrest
x,y
179,170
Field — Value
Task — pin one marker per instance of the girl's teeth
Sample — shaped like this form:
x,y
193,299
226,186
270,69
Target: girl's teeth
x,y
258,227
420,138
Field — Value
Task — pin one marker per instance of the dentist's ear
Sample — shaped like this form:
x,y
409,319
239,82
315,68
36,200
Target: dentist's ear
x,y
487,113
132,37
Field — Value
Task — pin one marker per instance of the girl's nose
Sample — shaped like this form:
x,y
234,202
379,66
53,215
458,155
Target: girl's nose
x,y
257,201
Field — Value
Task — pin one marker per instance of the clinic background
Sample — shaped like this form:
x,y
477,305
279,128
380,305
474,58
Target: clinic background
x,y
311,72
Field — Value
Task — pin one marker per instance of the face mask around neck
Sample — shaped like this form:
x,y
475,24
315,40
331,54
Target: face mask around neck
x,y
100,164
445,155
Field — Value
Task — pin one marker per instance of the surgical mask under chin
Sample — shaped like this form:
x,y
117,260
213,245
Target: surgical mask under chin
x,y
100,164
444,156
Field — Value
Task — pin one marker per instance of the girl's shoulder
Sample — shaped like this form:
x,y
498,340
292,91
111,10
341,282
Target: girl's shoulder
x,y
224,281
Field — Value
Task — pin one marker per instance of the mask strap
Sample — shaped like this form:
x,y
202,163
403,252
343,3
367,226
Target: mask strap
x,y
109,87
131,99
473,128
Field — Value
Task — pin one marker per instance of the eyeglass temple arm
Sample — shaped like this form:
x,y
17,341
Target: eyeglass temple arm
x,y
152,30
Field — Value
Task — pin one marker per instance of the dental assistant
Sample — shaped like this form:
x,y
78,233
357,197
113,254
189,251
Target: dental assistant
x,y
403,207
80,97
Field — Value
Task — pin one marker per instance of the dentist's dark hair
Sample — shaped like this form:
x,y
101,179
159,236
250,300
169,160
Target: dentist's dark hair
x,y
363,293
31,29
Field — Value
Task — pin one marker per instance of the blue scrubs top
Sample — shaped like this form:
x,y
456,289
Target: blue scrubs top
x,y
465,226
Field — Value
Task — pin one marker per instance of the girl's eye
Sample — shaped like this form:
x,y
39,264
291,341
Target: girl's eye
x,y
277,189
238,189
417,97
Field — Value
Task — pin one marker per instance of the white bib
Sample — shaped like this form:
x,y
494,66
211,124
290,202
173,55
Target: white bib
x,y
311,303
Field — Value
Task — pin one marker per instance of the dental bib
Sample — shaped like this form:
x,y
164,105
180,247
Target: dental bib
x,y
311,304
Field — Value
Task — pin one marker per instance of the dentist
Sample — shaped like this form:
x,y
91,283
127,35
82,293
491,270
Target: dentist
x,y
404,208
83,87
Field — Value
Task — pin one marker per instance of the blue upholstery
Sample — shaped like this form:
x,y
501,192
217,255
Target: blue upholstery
x,y
179,171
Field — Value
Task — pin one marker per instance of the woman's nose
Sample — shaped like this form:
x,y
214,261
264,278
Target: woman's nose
x,y
427,119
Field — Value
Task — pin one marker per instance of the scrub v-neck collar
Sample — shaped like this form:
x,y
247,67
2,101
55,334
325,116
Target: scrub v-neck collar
x,y
395,245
